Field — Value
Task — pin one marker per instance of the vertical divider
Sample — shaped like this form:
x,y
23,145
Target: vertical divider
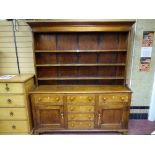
x,y
57,55
98,54
77,54
117,57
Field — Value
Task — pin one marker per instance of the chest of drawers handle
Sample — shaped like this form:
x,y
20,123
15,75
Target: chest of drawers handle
x,y
7,88
13,127
11,114
9,101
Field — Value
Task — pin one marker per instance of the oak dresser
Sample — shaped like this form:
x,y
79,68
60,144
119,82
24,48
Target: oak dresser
x,y
81,74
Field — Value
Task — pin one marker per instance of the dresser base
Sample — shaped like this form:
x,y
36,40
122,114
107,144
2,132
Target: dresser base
x,y
64,131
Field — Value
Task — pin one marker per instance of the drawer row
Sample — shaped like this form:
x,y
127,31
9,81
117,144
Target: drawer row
x,y
14,88
13,114
80,125
79,99
8,127
12,100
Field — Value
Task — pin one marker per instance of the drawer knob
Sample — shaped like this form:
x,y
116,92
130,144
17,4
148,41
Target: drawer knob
x,y
99,119
9,101
90,109
72,125
7,88
89,125
39,99
13,127
71,108
89,117
11,114
57,98
122,98
104,99
72,98
62,116
90,98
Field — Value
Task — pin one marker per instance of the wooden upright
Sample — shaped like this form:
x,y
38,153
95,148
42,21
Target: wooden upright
x,y
81,72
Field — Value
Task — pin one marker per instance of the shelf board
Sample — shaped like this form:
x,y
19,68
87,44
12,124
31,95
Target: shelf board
x,y
72,65
80,78
78,51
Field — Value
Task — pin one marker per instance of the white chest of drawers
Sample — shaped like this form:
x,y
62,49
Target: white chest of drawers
x,y
15,113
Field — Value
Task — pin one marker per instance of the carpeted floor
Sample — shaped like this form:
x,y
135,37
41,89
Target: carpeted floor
x,y
141,127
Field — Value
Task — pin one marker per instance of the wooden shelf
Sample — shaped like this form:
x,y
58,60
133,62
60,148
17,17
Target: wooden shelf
x,y
78,51
72,65
80,78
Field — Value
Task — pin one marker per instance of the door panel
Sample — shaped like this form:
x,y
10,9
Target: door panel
x,y
111,118
50,117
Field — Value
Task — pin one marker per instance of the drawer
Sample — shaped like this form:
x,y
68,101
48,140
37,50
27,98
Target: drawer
x,y
13,114
113,98
11,88
14,126
81,125
81,99
48,99
84,109
12,100
82,117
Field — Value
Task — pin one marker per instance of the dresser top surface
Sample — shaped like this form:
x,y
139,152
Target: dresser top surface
x,y
79,89
17,78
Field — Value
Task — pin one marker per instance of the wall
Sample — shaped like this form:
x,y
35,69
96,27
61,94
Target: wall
x,y
8,62
140,82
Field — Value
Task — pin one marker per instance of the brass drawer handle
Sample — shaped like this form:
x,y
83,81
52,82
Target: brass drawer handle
x,y
90,98
104,99
90,109
89,125
72,98
62,115
72,125
40,99
7,88
89,117
99,119
71,108
13,127
122,98
9,101
57,98
72,117
11,114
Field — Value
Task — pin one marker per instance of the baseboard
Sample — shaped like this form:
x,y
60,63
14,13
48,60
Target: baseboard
x,y
139,112
138,116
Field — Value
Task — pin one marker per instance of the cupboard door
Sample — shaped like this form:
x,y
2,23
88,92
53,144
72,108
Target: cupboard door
x,y
112,117
49,117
